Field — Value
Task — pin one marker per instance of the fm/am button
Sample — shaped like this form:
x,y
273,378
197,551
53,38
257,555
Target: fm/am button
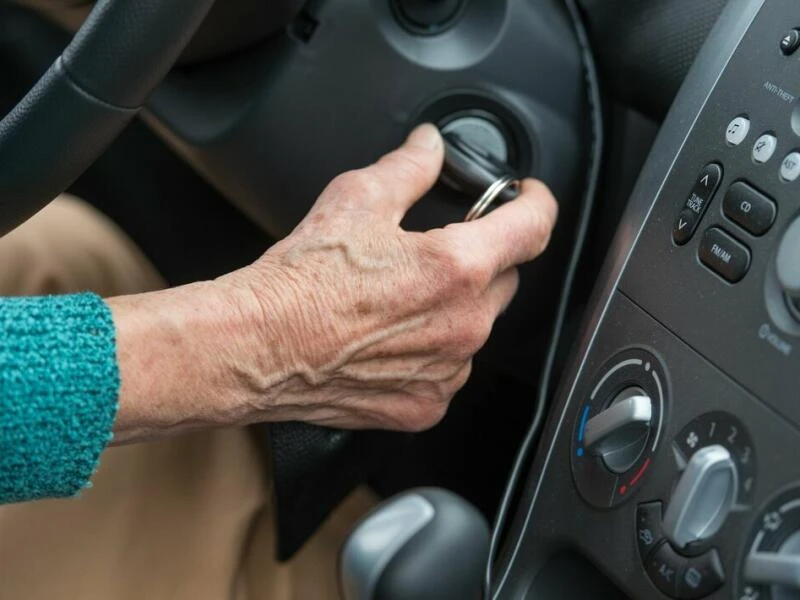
x,y
725,255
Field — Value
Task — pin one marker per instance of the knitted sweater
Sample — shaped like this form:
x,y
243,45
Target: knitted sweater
x,y
59,382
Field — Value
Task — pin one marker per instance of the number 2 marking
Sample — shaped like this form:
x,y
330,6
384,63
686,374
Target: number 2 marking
x,y
732,436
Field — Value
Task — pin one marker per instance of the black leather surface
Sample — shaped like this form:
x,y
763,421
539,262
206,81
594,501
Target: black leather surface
x,y
74,112
126,47
645,47
314,469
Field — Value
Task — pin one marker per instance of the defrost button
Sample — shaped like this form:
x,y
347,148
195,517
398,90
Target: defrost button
x,y
702,577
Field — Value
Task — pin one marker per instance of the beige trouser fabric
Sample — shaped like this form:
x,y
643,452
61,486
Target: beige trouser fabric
x,y
186,518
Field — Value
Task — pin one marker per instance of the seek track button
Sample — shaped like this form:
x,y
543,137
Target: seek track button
x,y
696,204
684,227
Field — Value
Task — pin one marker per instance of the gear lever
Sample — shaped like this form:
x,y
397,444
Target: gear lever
x,y
426,544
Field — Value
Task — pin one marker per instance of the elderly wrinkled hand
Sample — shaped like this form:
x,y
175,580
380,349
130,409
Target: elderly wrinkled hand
x,y
350,321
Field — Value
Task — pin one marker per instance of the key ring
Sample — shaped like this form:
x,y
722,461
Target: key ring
x,y
490,196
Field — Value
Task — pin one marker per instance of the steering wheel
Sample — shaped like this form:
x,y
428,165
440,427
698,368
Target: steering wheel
x,y
88,95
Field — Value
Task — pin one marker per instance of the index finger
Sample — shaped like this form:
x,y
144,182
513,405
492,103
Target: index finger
x,y
516,232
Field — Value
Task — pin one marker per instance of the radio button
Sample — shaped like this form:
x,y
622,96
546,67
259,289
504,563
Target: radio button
x,y
726,256
749,208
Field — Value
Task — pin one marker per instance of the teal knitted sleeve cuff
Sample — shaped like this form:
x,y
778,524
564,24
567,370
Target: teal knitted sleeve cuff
x,y
59,382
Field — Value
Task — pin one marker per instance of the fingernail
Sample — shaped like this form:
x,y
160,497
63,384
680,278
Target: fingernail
x,y
425,136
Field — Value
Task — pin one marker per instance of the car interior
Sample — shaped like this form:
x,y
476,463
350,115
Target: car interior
x,y
628,430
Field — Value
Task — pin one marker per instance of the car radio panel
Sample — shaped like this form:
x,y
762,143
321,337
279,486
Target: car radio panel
x,y
669,463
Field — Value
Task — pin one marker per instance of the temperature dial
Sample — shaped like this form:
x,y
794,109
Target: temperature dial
x,y
771,567
619,433
618,428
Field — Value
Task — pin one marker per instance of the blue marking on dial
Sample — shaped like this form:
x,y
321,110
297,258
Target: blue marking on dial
x,y
584,418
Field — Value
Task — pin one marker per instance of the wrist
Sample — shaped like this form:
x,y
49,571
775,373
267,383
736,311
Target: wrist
x,y
189,357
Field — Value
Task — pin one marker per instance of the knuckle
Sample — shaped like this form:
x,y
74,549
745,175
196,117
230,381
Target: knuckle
x,y
355,186
464,271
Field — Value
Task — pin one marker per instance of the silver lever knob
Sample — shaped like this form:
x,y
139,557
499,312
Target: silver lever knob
x,y
619,434
780,570
773,569
703,497
427,544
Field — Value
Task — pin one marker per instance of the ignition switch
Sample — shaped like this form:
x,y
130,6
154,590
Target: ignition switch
x,y
427,17
477,162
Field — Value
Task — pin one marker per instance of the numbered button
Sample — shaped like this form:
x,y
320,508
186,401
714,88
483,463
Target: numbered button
x,y
737,131
790,167
764,148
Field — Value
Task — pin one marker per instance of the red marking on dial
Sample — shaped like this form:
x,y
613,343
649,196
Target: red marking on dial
x,y
638,475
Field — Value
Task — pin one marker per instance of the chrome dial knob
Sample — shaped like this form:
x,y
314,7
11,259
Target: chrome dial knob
x,y
788,267
703,498
619,433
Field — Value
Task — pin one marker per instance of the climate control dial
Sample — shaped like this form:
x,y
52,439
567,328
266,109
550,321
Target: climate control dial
x,y
618,428
788,267
703,498
771,567
618,434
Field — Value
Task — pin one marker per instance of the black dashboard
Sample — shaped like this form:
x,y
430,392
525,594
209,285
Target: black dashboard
x,y
669,468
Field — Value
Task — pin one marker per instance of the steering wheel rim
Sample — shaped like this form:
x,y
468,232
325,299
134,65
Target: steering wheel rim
x,y
87,96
